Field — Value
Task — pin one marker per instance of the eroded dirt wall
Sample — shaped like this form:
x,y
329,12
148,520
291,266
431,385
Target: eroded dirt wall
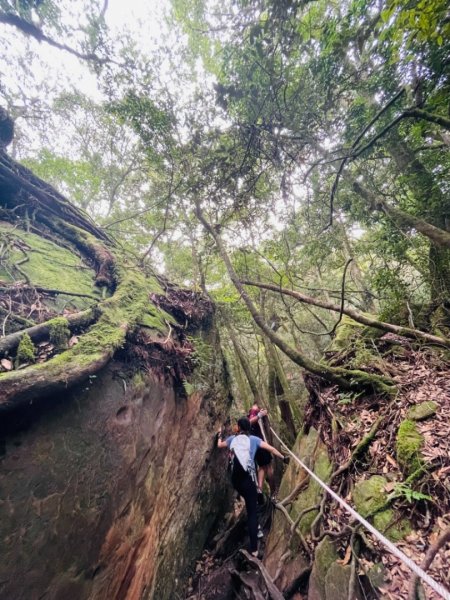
x,y
108,491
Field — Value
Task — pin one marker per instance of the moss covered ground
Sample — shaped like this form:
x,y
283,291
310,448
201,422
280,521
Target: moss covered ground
x,y
46,264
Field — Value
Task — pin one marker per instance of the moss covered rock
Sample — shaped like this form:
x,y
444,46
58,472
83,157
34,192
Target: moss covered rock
x,y
388,522
324,556
422,411
377,575
408,444
314,452
369,495
345,333
48,265
337,582
310,449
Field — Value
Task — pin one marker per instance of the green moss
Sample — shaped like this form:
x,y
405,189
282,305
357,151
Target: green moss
x,y
49,265
369,495
363,356
440,321
156,318
26,351
337,582
345,333
59,332
123,311
310,449
422,411
408,444
387,522
138,381
118,314
324,556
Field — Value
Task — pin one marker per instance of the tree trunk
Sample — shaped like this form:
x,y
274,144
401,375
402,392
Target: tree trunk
x,y
251,380
435,208
279,387
346,378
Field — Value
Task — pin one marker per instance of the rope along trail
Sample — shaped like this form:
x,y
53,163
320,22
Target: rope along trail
x,y
437,587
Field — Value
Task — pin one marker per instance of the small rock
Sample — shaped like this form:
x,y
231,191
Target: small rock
x,y
422,411
6,364
369,495
376,575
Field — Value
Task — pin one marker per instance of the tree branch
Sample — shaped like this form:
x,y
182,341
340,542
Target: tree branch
x,y
438,236
31,30
40,332
353,153
419,113
442,540
363,318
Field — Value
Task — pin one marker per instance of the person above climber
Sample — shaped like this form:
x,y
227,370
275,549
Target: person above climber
x,y
243,447
263,458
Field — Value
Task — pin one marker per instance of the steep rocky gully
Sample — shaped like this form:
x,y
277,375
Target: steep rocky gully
x,y
112,383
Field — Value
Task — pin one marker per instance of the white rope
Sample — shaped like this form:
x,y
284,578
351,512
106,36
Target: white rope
x,y
261,424
437,587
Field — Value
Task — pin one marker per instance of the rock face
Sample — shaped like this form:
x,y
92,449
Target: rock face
x,y
108,491
109,399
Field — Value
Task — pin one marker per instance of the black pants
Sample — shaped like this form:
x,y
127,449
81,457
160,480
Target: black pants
x,y
247,489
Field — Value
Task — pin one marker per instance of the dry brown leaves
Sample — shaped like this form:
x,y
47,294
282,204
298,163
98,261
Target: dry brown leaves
x,y
421,375
415,545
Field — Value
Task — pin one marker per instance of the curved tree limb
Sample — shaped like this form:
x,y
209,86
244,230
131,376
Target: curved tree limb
x,y
363,318
354,152
118,315
419,113
33,31
437,236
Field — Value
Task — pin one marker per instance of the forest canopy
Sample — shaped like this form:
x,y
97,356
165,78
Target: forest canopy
x,y
289,159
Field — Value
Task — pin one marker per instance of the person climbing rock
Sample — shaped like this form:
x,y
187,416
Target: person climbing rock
x,y
243,447
263,458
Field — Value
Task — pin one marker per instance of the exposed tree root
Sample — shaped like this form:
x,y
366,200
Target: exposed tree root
x,y
52,292
274,592
118,315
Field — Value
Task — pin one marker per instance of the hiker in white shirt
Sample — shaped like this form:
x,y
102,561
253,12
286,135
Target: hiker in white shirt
x,y
243,447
